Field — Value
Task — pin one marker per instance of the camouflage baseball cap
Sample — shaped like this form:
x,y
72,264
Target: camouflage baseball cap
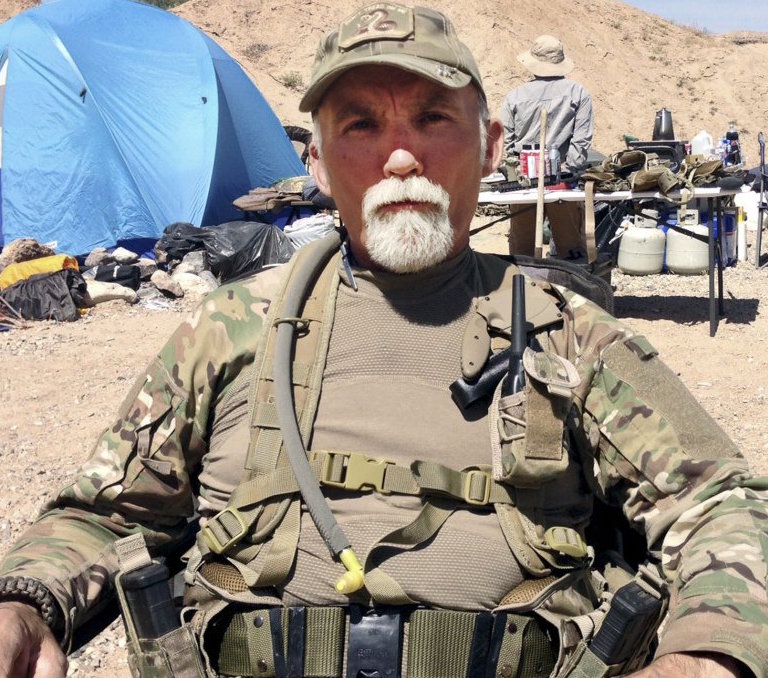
x,y
416,39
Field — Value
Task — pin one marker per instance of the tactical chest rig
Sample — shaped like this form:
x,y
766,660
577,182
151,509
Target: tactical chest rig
x,y
250,546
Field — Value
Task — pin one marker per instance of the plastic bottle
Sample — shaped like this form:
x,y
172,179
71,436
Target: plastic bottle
x,y
554,161
741,234
702,143
720,150
734,150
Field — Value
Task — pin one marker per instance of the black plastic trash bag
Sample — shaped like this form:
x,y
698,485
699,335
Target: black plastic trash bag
x,y
48,296
237,248
178,239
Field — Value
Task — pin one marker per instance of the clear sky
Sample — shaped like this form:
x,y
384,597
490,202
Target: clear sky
x,y
716,16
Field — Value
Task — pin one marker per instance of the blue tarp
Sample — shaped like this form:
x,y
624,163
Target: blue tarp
x,y
119,118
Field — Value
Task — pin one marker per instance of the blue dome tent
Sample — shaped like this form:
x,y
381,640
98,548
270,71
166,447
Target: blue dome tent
x,y
119,118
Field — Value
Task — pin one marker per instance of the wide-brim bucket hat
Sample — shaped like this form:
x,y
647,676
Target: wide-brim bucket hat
x,y
546,57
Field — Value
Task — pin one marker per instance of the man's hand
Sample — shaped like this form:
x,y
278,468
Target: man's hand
x,y
700,665
28,648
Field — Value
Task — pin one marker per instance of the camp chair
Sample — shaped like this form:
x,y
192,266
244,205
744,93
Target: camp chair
x,y
762,205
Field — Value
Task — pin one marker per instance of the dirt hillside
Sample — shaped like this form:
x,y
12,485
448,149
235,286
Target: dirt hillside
x,y
632,62
60,384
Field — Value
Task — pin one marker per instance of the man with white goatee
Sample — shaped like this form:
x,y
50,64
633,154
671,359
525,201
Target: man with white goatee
x,y
358,517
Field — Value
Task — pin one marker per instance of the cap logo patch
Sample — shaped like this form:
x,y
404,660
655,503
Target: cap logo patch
x,y
382,21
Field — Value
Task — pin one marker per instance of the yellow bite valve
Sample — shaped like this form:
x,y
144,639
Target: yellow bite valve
x,y
352,580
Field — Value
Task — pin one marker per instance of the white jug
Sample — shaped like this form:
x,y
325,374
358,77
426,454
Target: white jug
x,y
702,144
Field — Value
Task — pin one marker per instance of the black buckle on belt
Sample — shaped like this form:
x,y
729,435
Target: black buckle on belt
x,y
375,643
291,666
486,644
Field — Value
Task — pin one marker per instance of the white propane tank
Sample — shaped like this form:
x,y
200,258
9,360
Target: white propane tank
x,y
641,251
687,255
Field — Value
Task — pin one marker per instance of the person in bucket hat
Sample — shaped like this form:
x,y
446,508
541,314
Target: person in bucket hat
x,y
569,130
545,58
356,517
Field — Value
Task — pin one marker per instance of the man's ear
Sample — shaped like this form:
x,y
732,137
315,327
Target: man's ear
x,y
494,151
318,169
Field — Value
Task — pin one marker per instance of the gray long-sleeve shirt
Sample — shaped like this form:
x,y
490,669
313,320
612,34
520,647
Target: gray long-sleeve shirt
x,y
569,118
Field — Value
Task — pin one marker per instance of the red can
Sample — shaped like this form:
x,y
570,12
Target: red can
x,y
529,162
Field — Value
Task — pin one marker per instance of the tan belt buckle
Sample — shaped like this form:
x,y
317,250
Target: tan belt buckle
x,y
231,536
566,540
359,472
468,487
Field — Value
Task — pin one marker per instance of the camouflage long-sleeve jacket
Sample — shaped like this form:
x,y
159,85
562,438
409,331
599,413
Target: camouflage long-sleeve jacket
x,y
650,449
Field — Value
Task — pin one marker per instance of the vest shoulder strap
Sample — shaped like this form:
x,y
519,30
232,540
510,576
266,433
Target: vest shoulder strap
x,y
225,533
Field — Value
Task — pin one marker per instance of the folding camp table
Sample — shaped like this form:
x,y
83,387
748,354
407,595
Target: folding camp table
x,y
714,198
762,205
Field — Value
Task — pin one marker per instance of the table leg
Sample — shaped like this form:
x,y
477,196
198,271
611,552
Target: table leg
x,y
723,254
711,252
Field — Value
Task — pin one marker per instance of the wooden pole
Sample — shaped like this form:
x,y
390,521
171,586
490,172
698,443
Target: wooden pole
x,y
541,176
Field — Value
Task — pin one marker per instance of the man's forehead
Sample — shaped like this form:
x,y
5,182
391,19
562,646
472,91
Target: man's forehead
x,y
365,86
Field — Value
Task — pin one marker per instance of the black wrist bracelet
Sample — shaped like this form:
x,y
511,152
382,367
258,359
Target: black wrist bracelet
x,y
33,591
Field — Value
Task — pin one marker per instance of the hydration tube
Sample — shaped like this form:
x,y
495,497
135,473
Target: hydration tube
x,y
327,525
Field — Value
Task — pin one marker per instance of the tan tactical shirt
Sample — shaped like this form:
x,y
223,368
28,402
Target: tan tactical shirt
x,y
394,351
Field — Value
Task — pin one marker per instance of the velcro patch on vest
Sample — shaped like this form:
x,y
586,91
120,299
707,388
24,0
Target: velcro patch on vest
x,y
544,426
558,374
634,384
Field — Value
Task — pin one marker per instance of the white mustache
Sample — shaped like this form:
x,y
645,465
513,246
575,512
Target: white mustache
x,y
412,189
